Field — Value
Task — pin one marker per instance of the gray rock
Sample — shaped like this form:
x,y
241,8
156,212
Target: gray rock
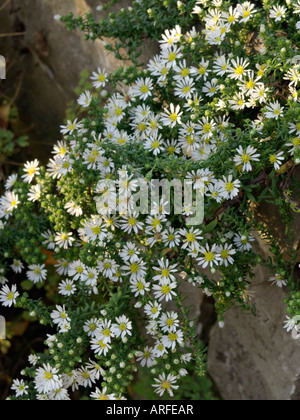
x,y
52,59
253,357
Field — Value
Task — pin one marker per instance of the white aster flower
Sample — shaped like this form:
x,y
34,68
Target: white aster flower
x,y
226,252
10,182
8,295
85,377
34,193
76,269
245,157
278,13
85,99
139,287
171,238
173,117
165,272
243,241
70,127
146,357
47,379
99,78
165,290
173,339
100,346
153,309
91,326
19,387
229,188
102,395
165,384
274,110
245,11
278,280
277,160
17,266
37,273
67,288
169,322
123,327
60,316
142,89
73,209
9,201
210,256
64,239
31,169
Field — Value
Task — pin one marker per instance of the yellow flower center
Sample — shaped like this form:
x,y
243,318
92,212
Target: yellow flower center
x,y
140,286
190,237
239,70
173,337
173,117
135,268
246,158
209,256
132,221
118,112
202,70
296,142
172,56
155,145
229,186
170,322
250,84
31,171
144,89
166,385
207,128
142,127
185,72
96,230
166,290
225,254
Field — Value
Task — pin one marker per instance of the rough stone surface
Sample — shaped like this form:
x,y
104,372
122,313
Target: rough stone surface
x,y
51,60
253,357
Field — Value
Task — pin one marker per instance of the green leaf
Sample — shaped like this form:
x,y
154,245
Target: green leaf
x,y
27,285
251,197
211,226
22,141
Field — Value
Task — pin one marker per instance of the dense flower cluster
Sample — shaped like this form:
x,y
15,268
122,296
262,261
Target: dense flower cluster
x,y
207,109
